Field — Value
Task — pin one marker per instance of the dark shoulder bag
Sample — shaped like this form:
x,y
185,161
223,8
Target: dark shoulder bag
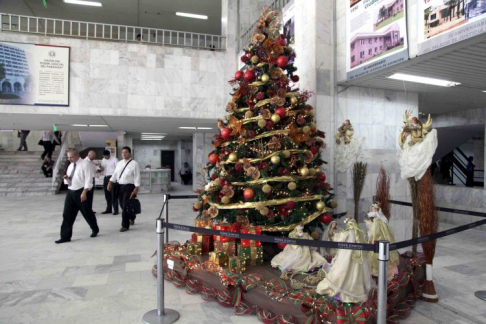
x,y
116,185
134,207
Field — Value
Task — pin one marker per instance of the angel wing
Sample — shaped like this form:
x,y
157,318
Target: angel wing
x,y
427,125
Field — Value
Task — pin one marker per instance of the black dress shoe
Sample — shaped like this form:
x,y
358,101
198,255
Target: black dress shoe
x,y
123,229
115,213
94,234
106,212
132,222
62,241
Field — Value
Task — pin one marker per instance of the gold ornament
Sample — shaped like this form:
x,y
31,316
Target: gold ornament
x,y
233,157
289,48
313,126
275,118
265,78
312,172
275,159
249,114
320,205
304,171
225,200
262,123
318,170
254,59
315,235
197,205
292,186
264,211
217,182
333,204
306,129
286,153
311,112
267,188
294,100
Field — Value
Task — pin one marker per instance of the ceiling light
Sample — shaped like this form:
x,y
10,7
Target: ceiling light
x,y
97,125
187,127
79,125
154,134
151,139
190,15
85,3
204,128
419,79
484,90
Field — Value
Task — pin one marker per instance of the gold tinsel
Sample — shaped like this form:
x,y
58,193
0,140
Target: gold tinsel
x,y
273,179
272,202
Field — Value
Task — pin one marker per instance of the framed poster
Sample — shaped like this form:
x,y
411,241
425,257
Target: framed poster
x,y
445,22
34,74
288,22
376,35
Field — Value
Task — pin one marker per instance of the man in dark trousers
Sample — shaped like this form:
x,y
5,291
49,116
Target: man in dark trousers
x,y
47,167
23,140
108,166
79,179
127,174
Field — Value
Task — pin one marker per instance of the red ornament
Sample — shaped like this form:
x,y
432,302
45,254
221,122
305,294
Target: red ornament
x,y
251,133
248,193
291,205
281,246
214,158
282,61
326,218
281,111
295,78
314,149
244,58
322,177
249,76
270,125
235,227
194,209
225,133
260,96
283,42
238,75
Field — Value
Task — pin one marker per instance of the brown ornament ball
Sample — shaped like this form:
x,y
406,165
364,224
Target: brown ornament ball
x,y
262,123
315,235
318,170
233,157
292,186
267,188
275,159
275,118
286,153
249,114
304,171
306,129
311,112
313,126
225,200
333,204
264,211
312,172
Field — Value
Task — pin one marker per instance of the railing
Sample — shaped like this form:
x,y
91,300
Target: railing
x,y
61,158
245,39
92,30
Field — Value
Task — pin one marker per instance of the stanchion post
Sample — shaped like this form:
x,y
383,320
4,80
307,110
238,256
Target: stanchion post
x,y
166,201
383,257
161,315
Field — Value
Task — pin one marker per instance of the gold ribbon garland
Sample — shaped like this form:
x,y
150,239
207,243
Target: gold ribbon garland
x,y
280,179
272,202
307,220
267,134
268,156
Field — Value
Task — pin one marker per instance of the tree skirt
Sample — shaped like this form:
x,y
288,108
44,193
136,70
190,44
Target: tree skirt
x,y
259,290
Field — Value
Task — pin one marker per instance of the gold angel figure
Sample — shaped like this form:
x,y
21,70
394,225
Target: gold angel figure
x,y
414,127
346,131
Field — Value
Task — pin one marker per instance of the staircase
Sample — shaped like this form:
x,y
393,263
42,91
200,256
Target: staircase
x,y
21,175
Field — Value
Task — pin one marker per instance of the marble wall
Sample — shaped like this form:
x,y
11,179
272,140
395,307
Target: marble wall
x,y
201,147
10,142
127,79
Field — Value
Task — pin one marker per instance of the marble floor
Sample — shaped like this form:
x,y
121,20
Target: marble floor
x,y
107,279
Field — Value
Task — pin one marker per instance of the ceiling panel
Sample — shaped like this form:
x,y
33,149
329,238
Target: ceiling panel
x,y
463,62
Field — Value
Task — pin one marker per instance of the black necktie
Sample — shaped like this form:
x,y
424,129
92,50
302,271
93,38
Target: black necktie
x,y
72,175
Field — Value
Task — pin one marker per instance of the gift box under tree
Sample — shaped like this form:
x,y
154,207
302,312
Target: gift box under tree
x,y
220,258
205,240
223,227
251,230
228,247
250,255
194,249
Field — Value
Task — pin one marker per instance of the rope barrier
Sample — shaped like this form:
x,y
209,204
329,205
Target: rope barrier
x,y
444,209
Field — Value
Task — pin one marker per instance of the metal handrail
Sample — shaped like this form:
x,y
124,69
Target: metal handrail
x,y
112,32
61,158
245,38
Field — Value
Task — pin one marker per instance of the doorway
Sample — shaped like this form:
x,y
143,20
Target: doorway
x,y
168,161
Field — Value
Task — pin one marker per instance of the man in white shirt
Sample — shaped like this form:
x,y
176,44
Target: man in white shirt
x,y
79,179
127,174
108,166
47,139
90,159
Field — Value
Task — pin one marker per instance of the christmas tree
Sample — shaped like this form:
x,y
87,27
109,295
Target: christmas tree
x,y
265,169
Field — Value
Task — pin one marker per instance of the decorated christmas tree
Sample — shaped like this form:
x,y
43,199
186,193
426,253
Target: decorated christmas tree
x,y
265,169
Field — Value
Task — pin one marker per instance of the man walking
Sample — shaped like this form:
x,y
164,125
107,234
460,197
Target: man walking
x,y
127,174
23,140
47,139
79,180
108,166
90,159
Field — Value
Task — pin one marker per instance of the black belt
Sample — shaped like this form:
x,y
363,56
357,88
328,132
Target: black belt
x,y
76,189
108,176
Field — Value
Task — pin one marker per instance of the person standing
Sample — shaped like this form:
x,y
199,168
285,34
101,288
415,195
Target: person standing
x,y
90,159
79,179
127,174
47,167
186,173
47,139
108,166
23,140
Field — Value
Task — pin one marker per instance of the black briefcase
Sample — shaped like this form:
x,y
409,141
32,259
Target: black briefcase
x,y
134,207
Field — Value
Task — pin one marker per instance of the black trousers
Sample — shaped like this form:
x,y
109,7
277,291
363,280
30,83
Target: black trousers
x,y
90,195
23,141
125,192
48,149
111,201
47,173
73,205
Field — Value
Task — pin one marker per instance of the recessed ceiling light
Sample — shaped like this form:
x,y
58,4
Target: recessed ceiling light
x,y
190,15
154,134
85,3
187,127
425,80
79,125
97,125
204,128
484,90
151,139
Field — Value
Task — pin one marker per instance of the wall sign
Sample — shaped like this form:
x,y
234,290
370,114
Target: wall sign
x,y
376,35
33,74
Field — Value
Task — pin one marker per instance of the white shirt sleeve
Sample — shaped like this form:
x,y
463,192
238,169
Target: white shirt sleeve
x,y
88,179
136,175
114,176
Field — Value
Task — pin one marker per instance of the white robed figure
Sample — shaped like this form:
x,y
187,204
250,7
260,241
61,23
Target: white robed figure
x,y
297,257
331,231
347,148
350,274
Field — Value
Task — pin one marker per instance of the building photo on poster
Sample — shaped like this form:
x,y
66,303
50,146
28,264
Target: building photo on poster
x,y
376,35
33,74
288,22
445,22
